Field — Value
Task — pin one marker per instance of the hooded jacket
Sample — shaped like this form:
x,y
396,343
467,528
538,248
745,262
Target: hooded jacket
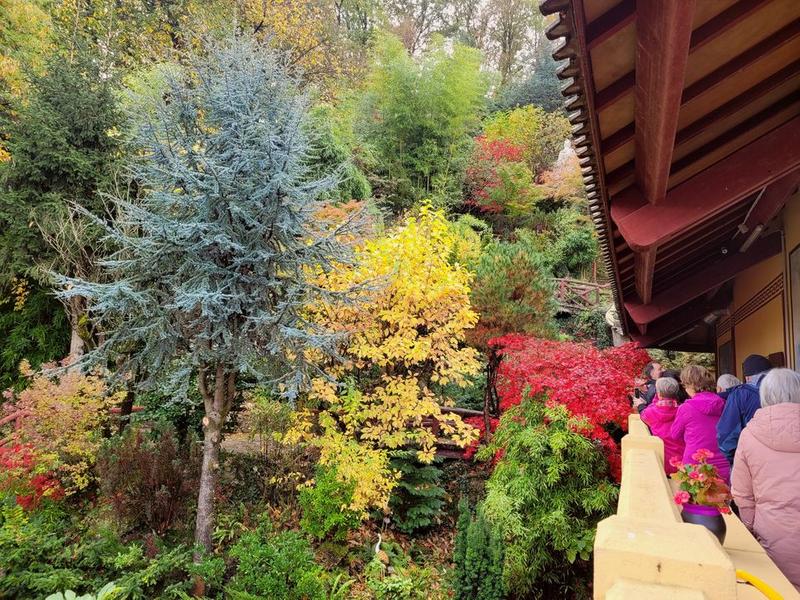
x,y
659,419
741,404
766,484
696,426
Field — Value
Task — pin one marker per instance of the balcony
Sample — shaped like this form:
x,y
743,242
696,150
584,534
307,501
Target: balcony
x,y
647,551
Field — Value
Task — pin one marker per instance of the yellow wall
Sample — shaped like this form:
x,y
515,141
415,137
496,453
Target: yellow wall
x,y
768,329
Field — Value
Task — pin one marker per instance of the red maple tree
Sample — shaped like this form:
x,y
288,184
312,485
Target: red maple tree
x,y
591,383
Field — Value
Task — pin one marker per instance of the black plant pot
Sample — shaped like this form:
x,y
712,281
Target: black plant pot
x,y
708,517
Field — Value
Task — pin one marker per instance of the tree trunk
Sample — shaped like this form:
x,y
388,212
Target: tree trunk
x,y
208,483
76,311
217,405
77,346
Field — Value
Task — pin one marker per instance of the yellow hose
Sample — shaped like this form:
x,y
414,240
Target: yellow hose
x,y
760,585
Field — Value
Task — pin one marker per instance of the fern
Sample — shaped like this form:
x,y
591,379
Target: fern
x,y
418,499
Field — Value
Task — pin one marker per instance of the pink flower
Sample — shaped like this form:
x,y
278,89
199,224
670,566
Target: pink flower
x,y
702,455
682,497
694,475
675,461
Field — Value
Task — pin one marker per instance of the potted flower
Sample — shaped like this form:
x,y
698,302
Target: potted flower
x,y
702,494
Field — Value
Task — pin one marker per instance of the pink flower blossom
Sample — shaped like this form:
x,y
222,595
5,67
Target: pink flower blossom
x,y
702,455
682,497
694,475
675,461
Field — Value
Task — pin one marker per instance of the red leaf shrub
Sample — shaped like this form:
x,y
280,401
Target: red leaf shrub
x,y
22,475
591,383
482,176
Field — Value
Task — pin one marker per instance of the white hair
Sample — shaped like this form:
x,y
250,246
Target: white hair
x,y
779,386
668,388
726,382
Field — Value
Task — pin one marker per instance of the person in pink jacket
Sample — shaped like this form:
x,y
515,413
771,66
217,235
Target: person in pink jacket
x,y
695,423
766,472
660,415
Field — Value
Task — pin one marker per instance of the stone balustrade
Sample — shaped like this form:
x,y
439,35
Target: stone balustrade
x,y
646,551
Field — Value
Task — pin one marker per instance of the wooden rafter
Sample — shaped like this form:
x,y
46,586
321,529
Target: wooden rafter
x,y
625,135
698,283
624,85
767,159
662,44
681,320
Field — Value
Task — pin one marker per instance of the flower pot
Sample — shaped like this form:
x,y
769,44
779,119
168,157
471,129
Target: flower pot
x,y
708,517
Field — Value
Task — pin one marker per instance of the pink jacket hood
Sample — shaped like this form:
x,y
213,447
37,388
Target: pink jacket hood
x,y
778,427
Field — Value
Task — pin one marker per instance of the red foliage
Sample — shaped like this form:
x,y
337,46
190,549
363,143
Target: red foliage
x,y
480,424
591,383
482,175
18,465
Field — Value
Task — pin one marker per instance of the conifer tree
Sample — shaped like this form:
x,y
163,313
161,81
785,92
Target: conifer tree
x,y
63,152
211,267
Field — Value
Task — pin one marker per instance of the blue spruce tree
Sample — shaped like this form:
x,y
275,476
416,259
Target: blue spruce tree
x,y
211,265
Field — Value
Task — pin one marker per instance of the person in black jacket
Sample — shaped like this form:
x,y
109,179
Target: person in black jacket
x,y
652,371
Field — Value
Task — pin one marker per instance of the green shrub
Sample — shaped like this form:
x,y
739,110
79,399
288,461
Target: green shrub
x,y
478,558
107,592
47,551
545,497
418,499
324,505
279,566
408,582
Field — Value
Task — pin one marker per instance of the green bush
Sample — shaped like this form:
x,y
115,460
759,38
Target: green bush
x,y
278,566
478,558
406,582
324,505
545,497
47,551
418,499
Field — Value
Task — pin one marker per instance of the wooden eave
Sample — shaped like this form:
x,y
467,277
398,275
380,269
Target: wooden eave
x,y
687,125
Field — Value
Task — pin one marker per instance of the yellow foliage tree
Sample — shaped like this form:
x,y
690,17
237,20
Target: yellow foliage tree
x,y
64,415
407,333
24,40
302,29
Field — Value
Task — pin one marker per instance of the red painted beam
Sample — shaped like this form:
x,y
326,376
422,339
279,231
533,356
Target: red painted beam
x,y
767,159
704,34
680,321
622,136
644,265
694,285
663,31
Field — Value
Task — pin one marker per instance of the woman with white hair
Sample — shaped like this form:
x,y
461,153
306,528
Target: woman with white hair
x,y
766,471
725,383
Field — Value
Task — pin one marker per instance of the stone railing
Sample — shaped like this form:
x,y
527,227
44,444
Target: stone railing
x,y
647,551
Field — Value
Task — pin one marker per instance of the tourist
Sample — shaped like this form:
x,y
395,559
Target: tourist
x,y
741,404
725,383
660,415
651,372
766,473
695,423
676,375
